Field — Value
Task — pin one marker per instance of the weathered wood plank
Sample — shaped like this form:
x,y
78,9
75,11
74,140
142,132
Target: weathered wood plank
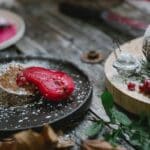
x,y
81,33
60,47
11,51
49,33
29,47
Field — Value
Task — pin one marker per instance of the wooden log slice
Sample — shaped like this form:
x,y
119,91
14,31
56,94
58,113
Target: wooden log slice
x,y
132,101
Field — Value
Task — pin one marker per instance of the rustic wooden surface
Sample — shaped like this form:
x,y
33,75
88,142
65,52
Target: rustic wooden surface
x,y
50,33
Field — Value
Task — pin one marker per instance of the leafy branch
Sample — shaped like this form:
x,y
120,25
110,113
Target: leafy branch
x,y
134,132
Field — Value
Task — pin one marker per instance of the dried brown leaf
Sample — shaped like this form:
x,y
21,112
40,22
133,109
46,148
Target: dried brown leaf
x,y
8,144
30,140
49,135
64,143
99,145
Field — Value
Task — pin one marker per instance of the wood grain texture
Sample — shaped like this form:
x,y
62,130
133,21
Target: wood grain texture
x,y
132,101
50,33
65,38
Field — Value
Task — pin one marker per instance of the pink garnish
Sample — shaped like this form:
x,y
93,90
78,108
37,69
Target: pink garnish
x,y
7,33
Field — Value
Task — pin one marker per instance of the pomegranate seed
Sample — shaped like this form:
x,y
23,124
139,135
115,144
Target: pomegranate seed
x,y
141,88
145,86
131,86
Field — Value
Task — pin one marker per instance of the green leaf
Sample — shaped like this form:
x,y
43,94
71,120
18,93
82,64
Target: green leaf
x,y
136,132
107,101
115,115
120,117
140,131
113,136
146,145
148,121
94,129
138,137
135,142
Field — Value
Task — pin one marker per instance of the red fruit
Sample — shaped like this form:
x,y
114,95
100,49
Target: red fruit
x,y
53,85
131,86
147,86
141,88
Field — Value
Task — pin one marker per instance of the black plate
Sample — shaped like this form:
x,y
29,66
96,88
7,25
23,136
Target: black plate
x,y
34,115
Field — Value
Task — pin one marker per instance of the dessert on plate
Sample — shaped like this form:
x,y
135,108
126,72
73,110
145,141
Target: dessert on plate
x,y
20,85
53,85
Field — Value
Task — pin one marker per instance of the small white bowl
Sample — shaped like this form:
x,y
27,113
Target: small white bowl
x,y
20,27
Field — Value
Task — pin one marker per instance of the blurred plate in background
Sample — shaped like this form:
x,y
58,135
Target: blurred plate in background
x,y
19,25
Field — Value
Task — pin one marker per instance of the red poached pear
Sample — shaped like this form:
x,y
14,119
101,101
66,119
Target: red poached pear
x,y
52,84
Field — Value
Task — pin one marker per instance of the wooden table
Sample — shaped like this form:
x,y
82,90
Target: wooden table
x,y
50,33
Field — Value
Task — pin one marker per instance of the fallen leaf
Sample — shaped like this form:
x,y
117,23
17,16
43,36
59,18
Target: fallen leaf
x,y
31,140
99,145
